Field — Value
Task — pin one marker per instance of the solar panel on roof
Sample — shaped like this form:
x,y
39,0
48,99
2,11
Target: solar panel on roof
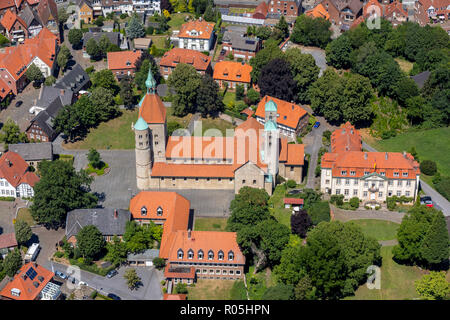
x,y
31,273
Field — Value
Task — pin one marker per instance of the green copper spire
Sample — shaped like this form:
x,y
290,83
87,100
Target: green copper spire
x,y
150,83
270,126
270,106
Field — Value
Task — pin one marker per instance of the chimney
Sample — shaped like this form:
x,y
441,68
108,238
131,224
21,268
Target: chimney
x,y
189,233
404,154
115,213
386,155
62,92
365,155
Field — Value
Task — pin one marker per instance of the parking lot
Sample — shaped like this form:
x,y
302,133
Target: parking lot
x,y
7,212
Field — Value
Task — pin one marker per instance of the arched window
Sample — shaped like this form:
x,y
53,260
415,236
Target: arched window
x,y
190,254
159,211
220,255
210,255
230,255
200,254
144,211
180,254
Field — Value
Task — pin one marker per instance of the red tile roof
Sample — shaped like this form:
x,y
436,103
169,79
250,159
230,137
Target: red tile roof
x,y
174,296
7,4
8,240
293,201
346,138
295,154
232,71
173,271
290,113
203,28
29,288
198,60
9,18
369,10
14,169
4,89
152,109
118,60
261,11
247,111
318,12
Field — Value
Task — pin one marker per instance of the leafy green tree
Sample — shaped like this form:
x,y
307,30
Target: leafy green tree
x,y
62,15
276,80
133,280
49,81
435,245
406,88
240,91
273,237
63,57
433,286
283,26
291,268
252,97
338,52
263,57
209,14
263,32
280,291
94,158
11,134
90,241
104,45
105,79
159,263
34,74
311,31
93,49
209,101
135,29
60,190
12,263
428,167
304,290
117,251
75,37
354,202
143,65
102,101
357,95
23,232
186,82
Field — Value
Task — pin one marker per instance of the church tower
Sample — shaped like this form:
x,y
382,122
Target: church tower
x,y
143,154
271,141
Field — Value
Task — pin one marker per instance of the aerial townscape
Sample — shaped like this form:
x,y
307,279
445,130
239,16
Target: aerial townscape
x,y
224,150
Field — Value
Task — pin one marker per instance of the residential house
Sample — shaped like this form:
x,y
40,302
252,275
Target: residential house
x,y
318,11
196,35
48,15
149,7
32,21
343,12
7,5
117,6
369,176
232,73
110,222
41,127
261,11
200,61
85,11
437,10
287,8
5,92
116,38
395,13
74,80
142,43
123,63
48,94
15,178
33,153
293,203
239,45
15,28
32,282
8,243
291,118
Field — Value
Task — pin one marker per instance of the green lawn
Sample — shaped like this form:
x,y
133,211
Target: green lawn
x,y
276,206
211,289
405,65
216,123
24,214
378,229
210,224
177,19
431,144
397,281
158,41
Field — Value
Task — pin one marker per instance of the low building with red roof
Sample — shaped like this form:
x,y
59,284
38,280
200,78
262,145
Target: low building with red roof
x,y
291,118
7,243
293,202
232,73
32,282
123,63
369,176
175,56
15,178
15,28
196,35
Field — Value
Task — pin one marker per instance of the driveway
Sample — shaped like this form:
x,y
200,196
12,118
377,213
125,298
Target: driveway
x,y
48,240
317,53
7,213
149,290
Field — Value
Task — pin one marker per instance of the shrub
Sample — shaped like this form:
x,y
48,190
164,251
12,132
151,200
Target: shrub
x,y
291,183
391,203
317,171
59,254
428,167
123,16
159,263
181,288
443,187
354,202
90,70
94,294
319,211
337,199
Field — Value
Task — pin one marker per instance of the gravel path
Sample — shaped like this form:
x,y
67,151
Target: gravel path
x,y
347,215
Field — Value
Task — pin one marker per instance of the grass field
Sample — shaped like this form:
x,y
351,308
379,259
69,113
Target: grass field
x,y
212,289
276,206
431,144
177,19
158,41
210,224
24,214
405,65
216,123
397,281
378,229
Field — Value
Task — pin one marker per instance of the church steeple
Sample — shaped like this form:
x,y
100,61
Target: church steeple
x,y
150,83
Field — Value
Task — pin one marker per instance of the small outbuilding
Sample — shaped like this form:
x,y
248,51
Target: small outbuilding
x,y
143,259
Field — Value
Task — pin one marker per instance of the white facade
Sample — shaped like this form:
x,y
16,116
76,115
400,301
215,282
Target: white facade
x,y
123,7
45,69
284,130
147,6
24,190
196,44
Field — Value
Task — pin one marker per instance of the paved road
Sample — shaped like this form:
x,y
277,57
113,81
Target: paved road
x,y
439,201
149,290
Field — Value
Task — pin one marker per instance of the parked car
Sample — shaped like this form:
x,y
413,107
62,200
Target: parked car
x,y
61,275
82,283
113,296
19,103
317,124
426,201
112,273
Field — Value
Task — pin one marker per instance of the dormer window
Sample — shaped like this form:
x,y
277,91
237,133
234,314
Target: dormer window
x,y
180,254
144,211
344,172
366,173
231,255
210,255
383,173
159,211
190,254
220,255
200,254
405,174
352,173
396,174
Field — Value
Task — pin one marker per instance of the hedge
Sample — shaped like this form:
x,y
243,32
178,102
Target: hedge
x,y
7,198
320,211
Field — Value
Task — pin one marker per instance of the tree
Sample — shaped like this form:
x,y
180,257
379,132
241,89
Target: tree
x,y
357,95
435,245
405,89
240,90
12,262
99,21
90,241
63,57
62,15
280,291
300,223
263,32
133,280
159,263
34,74
252,97
304,70
60,190
354,202
135,29
291,268
209,101
126,91
186,82
117,251
94,158
276,80
283,26
311,31
433,286
181,288
102,101
49,81
105,79
104,44
273,237
143,65
93,50
23,232
209,14
75,37
271,51
428,167
11,134
304,289
338,52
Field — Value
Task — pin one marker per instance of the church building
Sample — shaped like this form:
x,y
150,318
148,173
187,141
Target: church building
x,y
253,156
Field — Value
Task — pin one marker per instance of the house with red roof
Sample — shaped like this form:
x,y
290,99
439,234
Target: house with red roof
x,y
369,176
15,27
15,178
196,35
232,73
175,56
7,243
123,63
32,282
